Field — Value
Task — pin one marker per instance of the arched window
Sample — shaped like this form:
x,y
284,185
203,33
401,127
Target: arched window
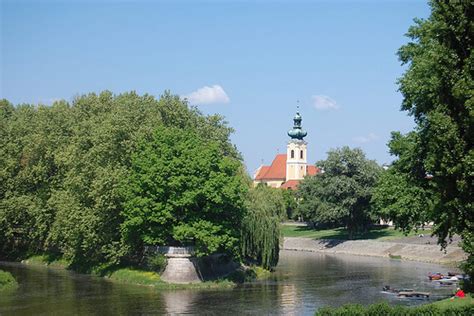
x,y
301,154
292,153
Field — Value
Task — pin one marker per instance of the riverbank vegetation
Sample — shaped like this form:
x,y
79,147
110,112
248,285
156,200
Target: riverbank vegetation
x,y
455,307
261,226
152,279
149,276
91,183
7,281
45,260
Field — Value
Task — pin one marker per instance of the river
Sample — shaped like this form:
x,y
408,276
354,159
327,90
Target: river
x,y
302,283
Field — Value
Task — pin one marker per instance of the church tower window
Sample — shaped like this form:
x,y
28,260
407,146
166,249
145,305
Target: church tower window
x,y
301,154
292,153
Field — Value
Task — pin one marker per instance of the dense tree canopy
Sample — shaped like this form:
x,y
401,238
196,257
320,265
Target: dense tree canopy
x,y
183,190
62,168
341,194
438,92
400,196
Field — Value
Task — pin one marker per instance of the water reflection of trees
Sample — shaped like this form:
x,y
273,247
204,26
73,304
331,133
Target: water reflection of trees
x,y
302,283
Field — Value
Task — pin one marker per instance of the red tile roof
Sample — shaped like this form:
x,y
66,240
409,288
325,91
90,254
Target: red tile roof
x,y
290,184
311,170
261,172
277,171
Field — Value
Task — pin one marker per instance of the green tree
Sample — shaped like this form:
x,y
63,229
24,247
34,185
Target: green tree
x,y
183,190
438,90
61,168
341,194
260,242
291,204
400,196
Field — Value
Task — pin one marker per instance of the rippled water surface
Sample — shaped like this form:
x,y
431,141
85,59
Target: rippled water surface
x,y
302,283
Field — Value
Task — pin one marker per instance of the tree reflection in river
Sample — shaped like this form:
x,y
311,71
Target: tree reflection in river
x,y
302,283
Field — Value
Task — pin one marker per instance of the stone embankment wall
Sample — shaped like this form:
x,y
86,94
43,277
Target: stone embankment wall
x,y
184,269
181,269
372,248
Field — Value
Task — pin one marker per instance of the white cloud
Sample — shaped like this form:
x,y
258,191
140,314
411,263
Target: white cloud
x,y
365,139
323,102
49,101
208,95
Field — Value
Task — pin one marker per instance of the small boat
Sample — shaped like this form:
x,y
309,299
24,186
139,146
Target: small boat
x,y
413,294
388,290
448,280
435,276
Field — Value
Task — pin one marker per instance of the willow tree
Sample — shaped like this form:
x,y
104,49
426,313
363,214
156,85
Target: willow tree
x,y
260,240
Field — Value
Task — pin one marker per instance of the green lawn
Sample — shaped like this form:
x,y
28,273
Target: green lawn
x,y
468,300
341,233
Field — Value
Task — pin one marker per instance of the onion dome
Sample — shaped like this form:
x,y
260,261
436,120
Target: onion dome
x,y
297,132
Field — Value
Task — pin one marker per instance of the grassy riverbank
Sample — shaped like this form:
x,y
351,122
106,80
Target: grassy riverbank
x,y
447,306
149,278
138,276
7,281
378,233
457,302
45,260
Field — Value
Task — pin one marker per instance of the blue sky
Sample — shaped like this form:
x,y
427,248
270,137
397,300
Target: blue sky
x,y
247,60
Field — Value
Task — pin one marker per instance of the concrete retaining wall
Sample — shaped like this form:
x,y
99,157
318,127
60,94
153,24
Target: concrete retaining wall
x,y
415,252
181,270
186,269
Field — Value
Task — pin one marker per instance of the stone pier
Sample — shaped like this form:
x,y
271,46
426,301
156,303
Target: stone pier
x,y
181,265
180,269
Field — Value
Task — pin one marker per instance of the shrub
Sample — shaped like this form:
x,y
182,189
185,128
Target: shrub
x,y
131,276
156,262
387,310
7,281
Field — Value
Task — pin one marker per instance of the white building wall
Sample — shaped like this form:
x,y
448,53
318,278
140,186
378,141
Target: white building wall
x,y
296,165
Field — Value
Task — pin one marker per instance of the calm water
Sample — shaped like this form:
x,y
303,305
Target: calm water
x,y
302,283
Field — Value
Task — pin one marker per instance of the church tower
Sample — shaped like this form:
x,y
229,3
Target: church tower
x,y
296,164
